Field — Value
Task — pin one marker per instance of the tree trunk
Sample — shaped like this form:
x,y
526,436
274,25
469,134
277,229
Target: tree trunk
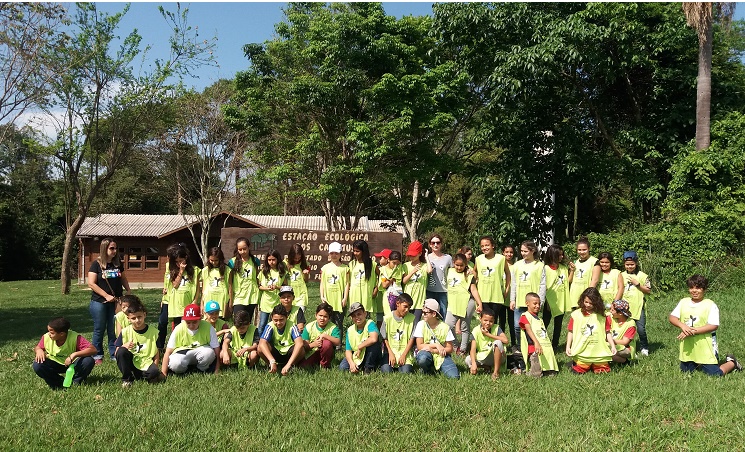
x,y
66,272
703,89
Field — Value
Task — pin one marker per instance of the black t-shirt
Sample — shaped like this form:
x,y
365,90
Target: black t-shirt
x,y
110,280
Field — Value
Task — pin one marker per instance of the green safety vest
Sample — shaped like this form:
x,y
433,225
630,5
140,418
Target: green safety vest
x,y
589,343
557,290
59,353
459,291
356,338
314,331
182,295
237,342
608,285
145,349
282,341
245,287
184,339
297,282
215,287
618,330
122,319
484,345
417,285
361,289
398,333
633,295
334,280
547,359
700,348
528,280
490,280
437,336
581,279
269,298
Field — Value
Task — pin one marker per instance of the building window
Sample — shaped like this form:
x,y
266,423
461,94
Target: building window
x,y
143,258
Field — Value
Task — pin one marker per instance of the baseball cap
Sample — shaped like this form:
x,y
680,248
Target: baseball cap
x,y
433,305
286,289
335,247
630,255
356,306
212,306
622,307
386,253
192,312
415,249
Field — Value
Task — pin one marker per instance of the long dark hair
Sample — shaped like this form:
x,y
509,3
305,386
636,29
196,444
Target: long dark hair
x,y
281,267
597,301
553,256
238,260
217,252
295,251
366,260
179,251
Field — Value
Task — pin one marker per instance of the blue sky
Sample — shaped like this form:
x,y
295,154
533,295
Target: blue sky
x,y
234,24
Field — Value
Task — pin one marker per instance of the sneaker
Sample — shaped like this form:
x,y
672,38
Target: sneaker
x,y
517,371
644,352
731,358
126,384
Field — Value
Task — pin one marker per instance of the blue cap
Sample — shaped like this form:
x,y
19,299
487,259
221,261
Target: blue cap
x,y
212,306
630,255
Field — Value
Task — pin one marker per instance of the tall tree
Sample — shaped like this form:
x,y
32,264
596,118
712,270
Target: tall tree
x,y
106,106
699,16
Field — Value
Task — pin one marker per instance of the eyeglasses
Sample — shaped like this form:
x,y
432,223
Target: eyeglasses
x,y
427,311
434,243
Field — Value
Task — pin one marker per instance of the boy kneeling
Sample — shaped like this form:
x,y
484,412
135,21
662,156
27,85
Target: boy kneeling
x,y
136,353
240,344
487,345
192,343
58,349
280,342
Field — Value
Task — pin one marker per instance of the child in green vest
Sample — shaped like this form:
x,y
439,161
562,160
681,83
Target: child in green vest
x,y
416,276
320,337
212,316
241,343
120,318
397,333
193,344
272,276
636,286
298,272
487,345
463,300
391,279
281,342
362,351
216,282
334,286
589,340
59,348
296,316
434,342
136,354
537,350
698,320
623,330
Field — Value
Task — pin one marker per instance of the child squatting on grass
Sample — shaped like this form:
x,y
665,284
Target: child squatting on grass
x,y
487,345
193,344
623,329
281,342
698,320
60,348
362,351
137,354
589,340
434,342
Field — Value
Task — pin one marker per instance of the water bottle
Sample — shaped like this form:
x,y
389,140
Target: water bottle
x,y
69,373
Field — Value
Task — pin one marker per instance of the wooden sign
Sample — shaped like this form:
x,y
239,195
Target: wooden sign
x,y
314,243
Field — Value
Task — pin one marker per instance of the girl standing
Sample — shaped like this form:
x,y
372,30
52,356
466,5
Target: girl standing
x,y
508,251
529,277
363,277
439,262
106,280
463,300
610,284
493,278
557,290
298,273
185,282
589,340
584,272
272,276
335,285
416,273
215,282
244,278
636,285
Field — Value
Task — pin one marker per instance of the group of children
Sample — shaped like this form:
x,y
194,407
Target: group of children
x,y
396,321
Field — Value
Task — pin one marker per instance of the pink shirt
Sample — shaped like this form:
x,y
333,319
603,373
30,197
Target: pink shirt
x,y
82,343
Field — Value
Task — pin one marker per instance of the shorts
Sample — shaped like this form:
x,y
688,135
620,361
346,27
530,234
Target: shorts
x,y
582,368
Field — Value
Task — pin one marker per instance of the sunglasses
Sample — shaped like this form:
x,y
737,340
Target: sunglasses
x,y
434,243
427,311
112,247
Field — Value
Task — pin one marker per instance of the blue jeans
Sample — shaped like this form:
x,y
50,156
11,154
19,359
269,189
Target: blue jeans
x,y
709,369
370,361
518,312
51,371
386,368
641,328
263,320
442,300
162,327
427,365
103,320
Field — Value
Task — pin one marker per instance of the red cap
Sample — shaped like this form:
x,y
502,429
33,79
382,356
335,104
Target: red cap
x,y
192,312
386,253
415,249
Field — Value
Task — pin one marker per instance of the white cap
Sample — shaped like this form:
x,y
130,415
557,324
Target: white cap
x,y
335,247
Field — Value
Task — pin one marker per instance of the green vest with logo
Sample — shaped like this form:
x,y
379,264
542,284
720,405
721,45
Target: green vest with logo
x,y
390,274
237,342
187,341
581,279
557,290
245,287
145,349
361,289
633,295
438,335
459,291
334,279
122,319
608,285
618,330
417,285
589,343
59,353
182,295
356,338
699,348
282,341
314,331
215,286
269,298
547,359
528,277
297,282
484,345
490,280
398,333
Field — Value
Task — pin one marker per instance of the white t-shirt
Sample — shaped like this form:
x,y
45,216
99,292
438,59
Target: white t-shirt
x,y
213,338
419,328
713,312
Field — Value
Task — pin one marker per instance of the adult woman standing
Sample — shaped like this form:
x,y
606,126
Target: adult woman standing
x,y
106,280
440,262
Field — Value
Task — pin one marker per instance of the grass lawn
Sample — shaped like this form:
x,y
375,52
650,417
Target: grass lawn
x,y
649,406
